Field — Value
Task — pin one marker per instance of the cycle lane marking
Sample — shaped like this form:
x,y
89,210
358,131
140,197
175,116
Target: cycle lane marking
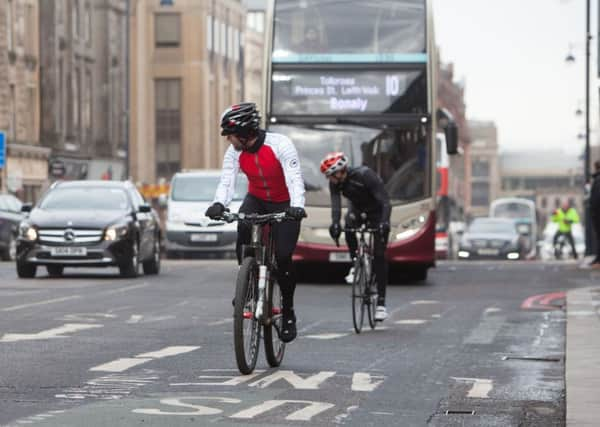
x,y
125,363
36,304
67,328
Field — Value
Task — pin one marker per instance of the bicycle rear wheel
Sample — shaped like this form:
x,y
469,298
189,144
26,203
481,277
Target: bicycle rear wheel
x,y
274,347
358,291
246,328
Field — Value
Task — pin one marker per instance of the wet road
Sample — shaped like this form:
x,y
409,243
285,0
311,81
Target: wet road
x,y
477,344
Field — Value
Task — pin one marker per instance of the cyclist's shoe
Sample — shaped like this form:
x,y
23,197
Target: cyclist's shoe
x,y
350,276
288,326
381,313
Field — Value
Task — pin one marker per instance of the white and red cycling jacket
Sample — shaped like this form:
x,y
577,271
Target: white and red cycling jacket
x,y
272,167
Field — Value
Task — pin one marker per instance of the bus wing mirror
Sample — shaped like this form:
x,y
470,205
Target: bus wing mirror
x,y
451,133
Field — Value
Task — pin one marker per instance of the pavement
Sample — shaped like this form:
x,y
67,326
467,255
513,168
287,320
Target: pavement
x,y
582,366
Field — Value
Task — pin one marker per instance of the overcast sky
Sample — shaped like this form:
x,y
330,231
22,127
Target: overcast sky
x,y
511,56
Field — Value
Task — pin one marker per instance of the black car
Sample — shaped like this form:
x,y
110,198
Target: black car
x,y
10,217
89,224
492,238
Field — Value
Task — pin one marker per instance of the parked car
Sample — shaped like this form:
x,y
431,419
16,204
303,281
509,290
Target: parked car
x,y
10,217
546,245
188,230
492,238
89,224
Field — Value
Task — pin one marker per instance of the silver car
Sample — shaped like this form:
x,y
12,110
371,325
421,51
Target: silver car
x,y
188,230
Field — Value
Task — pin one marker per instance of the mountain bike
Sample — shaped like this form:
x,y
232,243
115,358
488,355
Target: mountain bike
x,y
258,301
364,290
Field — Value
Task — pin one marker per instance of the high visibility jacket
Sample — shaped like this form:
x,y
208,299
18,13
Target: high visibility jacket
x,y
565,219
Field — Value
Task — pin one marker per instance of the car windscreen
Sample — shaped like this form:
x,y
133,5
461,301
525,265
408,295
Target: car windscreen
x,y
495,227
202,188
86,198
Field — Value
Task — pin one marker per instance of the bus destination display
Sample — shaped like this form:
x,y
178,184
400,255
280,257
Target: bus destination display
x,y
347,92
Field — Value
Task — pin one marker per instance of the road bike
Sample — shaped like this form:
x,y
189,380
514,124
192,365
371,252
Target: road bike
x,y
364,290
258,301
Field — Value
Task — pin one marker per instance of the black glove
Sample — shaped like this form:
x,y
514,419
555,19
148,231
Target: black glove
x,y
296,212
335,230
384,229
215,211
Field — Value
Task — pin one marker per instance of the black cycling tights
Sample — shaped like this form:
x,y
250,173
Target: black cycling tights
x,y
285,236
379,243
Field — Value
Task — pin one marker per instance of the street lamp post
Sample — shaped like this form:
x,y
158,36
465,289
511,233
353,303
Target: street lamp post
x,y
589,243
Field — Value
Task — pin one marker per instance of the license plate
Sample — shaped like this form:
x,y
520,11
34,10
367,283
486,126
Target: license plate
x,y
68,251
204,237
488,251
339,257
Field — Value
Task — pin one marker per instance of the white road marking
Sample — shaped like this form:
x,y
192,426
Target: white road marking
x,y
311,383
340,418
169,351
491,310
86,317
124,364
120,365
486,331
481,387
198,409
35,304
109,387
304,414
230,380
410,322
135,318
418,302
221,322
382,413
325,336
436,316
362,381
50,333
125,289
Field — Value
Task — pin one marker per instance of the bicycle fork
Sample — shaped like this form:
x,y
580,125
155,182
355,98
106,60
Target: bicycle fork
x,y
262,284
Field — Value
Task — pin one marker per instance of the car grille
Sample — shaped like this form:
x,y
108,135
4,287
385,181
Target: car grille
x,y
69,236
497,243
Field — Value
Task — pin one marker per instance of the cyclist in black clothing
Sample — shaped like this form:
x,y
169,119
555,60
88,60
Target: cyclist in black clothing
x,y
366,193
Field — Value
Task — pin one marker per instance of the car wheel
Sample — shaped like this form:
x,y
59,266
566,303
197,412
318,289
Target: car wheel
x,y
10,253
55,270
152,266
131,267
26,270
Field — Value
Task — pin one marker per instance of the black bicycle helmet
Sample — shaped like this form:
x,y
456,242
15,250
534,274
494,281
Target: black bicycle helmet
x,y
240,119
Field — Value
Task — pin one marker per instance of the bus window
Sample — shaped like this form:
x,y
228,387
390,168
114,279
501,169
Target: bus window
x,y
384,27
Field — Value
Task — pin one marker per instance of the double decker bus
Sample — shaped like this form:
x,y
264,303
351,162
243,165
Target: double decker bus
x,y
359,77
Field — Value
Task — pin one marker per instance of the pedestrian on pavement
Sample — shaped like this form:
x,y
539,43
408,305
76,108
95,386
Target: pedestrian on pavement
x,y
595,210
565,217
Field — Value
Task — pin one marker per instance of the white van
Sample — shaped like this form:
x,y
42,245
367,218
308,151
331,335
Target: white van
x,y
188,230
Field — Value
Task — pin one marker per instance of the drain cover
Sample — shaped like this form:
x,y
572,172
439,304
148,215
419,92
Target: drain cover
x,y
533,358
459,412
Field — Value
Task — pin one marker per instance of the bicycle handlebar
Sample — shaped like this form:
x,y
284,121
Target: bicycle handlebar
x,y
256,218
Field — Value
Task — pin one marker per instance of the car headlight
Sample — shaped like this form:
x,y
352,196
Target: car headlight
x,y
27,232
115,232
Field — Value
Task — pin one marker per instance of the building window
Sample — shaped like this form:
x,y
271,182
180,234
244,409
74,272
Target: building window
x,y
76,101
168,127
481,169
13,113
88,24
209,33
87,103
61,104
10,25
480,194
31,107
76,17
256,21
29,34
167,29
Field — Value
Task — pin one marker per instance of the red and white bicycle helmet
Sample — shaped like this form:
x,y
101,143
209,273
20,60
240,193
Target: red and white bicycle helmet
x,y
334,162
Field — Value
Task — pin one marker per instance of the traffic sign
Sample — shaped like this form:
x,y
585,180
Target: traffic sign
x,y
2,149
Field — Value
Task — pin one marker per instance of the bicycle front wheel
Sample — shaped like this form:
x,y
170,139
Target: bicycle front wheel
x,y
274,347
358,291
246,328
370,300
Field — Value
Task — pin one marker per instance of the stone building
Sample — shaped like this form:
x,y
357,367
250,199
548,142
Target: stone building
x,y
26,169
83,80
485,172
187,66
